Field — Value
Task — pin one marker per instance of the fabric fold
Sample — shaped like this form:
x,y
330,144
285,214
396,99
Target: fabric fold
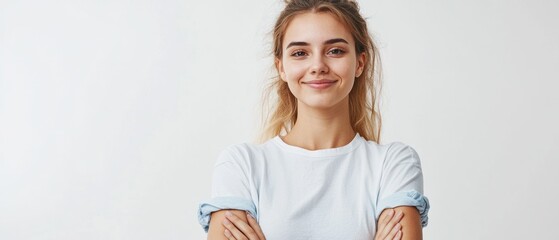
x,y
206,208
409,198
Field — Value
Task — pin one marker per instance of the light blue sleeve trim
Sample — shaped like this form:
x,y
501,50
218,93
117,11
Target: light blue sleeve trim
x,y
411,198
219,203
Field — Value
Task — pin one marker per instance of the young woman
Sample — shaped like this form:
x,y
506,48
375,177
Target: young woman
x,y
327,176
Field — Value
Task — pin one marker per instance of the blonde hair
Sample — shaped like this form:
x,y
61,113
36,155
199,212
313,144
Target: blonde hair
x,y
279,113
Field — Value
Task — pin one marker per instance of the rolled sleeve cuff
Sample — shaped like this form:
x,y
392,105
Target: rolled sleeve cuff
x,y
219,203
411,198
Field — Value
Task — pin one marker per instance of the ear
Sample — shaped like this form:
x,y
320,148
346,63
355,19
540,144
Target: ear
x,y
279,67
360,64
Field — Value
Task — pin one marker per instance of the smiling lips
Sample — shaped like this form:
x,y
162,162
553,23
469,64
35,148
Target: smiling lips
x,y
320,84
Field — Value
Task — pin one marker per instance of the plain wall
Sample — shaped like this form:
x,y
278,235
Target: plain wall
x,y
112,113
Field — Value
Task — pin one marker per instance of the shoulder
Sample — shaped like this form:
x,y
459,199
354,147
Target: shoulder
x,y
395,147
393,151
400,149
401,153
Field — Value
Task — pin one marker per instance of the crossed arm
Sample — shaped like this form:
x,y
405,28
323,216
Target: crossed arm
x,y
410,223
217,227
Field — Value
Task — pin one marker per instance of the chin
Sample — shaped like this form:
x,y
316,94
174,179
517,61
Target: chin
x,y
320,103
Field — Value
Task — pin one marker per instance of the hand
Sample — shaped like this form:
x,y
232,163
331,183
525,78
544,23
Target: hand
x,y
237,229
389,227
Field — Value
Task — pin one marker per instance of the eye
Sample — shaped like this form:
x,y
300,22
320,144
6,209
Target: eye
x,y
298,53
337,51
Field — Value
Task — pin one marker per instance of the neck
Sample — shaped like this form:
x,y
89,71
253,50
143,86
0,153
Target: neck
x,y
321,128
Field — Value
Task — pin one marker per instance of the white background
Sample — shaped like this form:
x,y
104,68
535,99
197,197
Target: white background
x,y
112,113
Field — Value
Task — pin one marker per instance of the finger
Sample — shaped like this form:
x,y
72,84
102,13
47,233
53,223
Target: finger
x,y
384,219
241,225
229,235
394,231
398,235
237,235
386,216
396,219
398,215
252,222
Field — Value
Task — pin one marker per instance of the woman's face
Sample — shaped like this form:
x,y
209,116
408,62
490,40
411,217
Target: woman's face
x,y
319,62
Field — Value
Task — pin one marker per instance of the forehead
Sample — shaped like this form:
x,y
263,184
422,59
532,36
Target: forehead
x,y
315,28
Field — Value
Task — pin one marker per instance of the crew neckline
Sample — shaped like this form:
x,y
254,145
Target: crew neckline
x,y
326,152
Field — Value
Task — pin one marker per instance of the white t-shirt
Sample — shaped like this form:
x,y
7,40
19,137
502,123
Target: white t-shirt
x,y
335,193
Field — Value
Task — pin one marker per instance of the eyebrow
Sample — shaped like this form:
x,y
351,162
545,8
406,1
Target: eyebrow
x,y
331,41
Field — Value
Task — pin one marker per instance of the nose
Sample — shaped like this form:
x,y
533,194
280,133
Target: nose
x,y
319,66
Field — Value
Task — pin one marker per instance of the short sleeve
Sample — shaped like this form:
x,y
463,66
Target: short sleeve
x,y
402,181
230,187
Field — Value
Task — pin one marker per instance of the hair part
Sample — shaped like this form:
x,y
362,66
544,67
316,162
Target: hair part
x,y
279,112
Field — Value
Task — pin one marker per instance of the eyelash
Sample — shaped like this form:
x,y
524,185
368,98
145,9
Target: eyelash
x,y
335,49
339,50
297,52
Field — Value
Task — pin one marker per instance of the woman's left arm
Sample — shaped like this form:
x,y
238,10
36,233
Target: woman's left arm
x,y
410,223
401,188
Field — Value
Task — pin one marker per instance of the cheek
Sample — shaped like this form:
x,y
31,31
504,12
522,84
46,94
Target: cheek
x,y
294,71
346,68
